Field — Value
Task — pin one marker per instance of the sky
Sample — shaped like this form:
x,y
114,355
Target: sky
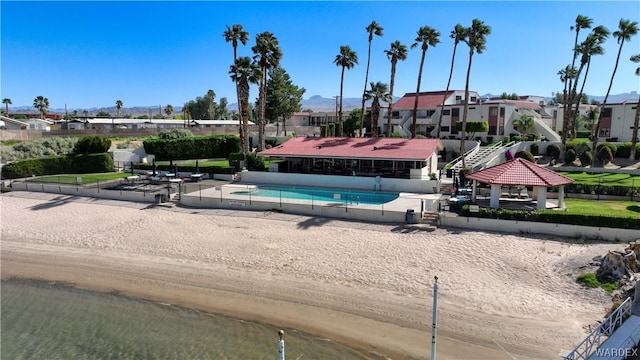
x,y
88,54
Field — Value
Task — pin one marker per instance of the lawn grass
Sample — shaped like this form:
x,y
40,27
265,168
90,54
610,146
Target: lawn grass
x,y
615,208
609,179
85,178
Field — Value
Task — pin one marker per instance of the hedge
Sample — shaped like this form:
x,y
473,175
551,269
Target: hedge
x,y
195,147
254,162
68,164
555,217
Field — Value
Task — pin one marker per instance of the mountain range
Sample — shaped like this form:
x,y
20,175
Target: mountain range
x,y
316,103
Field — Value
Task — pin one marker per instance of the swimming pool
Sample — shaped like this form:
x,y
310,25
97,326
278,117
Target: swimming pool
x,y
315,194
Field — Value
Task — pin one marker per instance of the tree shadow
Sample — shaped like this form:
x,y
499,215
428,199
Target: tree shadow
x,y
57,201
634,208
313,221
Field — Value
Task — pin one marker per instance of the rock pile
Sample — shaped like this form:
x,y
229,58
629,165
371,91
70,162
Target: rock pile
x,y
620,267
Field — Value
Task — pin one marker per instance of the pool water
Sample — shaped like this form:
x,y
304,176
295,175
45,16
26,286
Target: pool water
x,y
315,194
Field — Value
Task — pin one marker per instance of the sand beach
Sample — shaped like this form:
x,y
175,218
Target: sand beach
x,y
369,286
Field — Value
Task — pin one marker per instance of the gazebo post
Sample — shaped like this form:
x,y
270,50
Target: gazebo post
x,y
495,196
561,197
542,197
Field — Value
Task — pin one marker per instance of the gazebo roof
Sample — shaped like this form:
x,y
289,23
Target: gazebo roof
x,y
519,171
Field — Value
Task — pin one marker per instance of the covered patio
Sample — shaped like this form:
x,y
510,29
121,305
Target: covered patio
x,y
519,173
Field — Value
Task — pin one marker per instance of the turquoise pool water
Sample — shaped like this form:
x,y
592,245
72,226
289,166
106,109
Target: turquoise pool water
x,y
315,194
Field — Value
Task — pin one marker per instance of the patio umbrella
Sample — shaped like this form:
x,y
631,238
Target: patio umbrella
x,y
170,163
197,168
175,169
132,168
153,164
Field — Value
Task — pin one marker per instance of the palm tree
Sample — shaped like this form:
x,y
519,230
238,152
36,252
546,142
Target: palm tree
x,y
636,120
566,75
346,59
582,22
243,73
524,124
626,29
168,110
589,47
6,102
267,55
379,91
42,104
427,36
398,51
373,29
457,34
235,34
211,111
118,107
476,40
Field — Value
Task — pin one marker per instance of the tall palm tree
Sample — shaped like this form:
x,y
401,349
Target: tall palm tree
x,y
457,34
582,22
636,120
427,36
6,102
235,34
243,73
42,104
626,29
118,107
379,92
267,55
373,29
346,59
211,99
592,45
168,110
396,52
476,39
566,75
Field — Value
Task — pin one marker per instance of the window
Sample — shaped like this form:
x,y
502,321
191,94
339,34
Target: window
x,y
604,132
606,113
472,108
492,130
444,129
395,114
501,111
458,97
455,112
430,113
446,112
474,99
493,111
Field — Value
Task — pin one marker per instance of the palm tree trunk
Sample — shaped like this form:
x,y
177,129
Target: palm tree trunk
x,y
634,136
340,132
572,95
415,103
261,97
389,111
375,114
284,124
366,79
604,102
444,98
465,109
576,111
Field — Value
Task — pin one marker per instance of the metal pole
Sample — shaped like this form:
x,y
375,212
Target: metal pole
x,y
281,345
434,329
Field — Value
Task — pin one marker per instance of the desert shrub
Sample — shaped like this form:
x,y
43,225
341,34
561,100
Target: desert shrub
x,y
553,150
586,158
68,164
570,156
604,155
524,154
92,145
49,146
611,146
175,133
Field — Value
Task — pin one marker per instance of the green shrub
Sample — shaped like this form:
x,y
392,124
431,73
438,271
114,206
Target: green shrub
x,y
604,155
92,145
69,164
48,146
570,156
611,146
579,146
524,154
586,158
553,150
396,135
195,147
174,133
583,134
589,280
254,162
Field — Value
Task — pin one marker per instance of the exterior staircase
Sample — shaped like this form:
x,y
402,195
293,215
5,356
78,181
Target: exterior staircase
x,y
480,157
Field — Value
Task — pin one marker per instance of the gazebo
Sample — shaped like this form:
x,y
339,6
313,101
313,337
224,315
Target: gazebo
x,y
520,172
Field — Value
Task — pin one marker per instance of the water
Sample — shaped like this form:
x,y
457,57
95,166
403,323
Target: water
x,y
52,321
301,193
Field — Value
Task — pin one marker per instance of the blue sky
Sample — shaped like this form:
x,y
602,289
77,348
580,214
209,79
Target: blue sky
x,y
89,54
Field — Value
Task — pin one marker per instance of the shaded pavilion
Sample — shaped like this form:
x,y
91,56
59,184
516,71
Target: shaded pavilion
x,y
520,172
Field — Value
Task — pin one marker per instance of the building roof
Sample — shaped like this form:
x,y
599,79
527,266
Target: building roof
x,y
519,171
426,100
521,104
356,148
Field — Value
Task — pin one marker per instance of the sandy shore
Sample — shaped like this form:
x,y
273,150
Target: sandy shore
x,y
368,286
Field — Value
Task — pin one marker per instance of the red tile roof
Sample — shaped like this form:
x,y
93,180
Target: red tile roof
x,y
426,100
519,172
356,148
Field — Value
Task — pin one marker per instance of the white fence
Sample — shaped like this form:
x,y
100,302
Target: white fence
x,y
95,192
